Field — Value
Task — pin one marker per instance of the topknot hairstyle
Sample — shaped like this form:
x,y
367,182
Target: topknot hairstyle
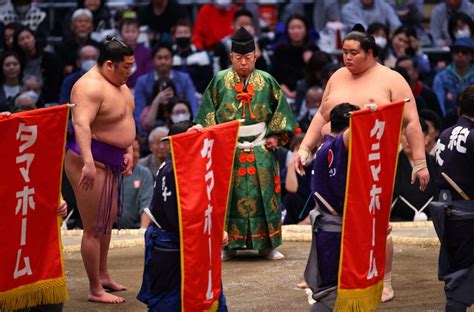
x,y
367,42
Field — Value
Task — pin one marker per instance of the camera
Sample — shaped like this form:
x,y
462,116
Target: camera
x,y
165,84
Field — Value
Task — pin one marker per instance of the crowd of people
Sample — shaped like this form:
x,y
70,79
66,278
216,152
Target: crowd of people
x,y
177,54
181,69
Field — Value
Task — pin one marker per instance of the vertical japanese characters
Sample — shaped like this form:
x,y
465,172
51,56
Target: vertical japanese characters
x,y
206,152
27,136
457,140
376,190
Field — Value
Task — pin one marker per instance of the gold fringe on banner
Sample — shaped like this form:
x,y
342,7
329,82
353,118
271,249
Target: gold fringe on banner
x,y
51,291
359,300
214,306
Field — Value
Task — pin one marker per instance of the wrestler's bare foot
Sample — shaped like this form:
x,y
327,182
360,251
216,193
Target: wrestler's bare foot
x,y
111,285
104,297
387,294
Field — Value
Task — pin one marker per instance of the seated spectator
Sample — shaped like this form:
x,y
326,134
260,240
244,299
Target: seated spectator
x,y
160,16
410,13
87,59
405,43
326,11
39,63
312,77
33,84
433,121
288,63
30,15
101,13
129,31
419,88
314,96
8,32
366,12
10,79
460,25
298,187
159,150
188,58
137,191
242,18
450,82
163,62
440,16
213,22
407,194
179,110
381,35
81,29
5,5
155,114
26,101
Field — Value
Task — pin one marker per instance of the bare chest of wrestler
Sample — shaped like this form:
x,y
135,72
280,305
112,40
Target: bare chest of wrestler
x,y
358,91
114,122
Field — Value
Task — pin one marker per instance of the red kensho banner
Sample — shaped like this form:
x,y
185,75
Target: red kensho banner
x,y
31,154
373,154
203,169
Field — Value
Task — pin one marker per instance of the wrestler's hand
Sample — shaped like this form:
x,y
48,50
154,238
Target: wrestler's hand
x,y
127,164
62,209
301,159
196,127
225,239
299,168
88,176
423,177
6,114
271,142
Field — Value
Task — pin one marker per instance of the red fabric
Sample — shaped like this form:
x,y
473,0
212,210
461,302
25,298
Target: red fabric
x,y
212,25
41,236
203,173
360,239
268,13
417,89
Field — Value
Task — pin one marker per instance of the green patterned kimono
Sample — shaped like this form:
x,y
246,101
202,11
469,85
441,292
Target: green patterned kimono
x,y
253,214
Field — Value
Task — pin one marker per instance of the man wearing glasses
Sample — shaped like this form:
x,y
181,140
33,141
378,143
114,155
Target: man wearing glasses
x,y
451,82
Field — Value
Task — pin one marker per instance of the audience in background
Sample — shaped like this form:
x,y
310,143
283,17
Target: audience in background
x,y
172,69
366,12
137,191
288,61
440,16
129,31
189,59
213,22
27,13
159,16
155,114
10,79
159,149
39,63
163,62
86,59
453,80
80,36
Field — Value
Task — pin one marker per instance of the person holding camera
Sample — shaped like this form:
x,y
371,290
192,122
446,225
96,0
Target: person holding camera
x,y
144,88
155,114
